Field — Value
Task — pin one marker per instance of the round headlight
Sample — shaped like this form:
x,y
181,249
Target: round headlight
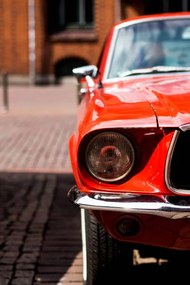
x,y
109,156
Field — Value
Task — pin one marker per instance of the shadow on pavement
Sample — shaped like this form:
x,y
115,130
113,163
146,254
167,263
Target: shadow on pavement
x,y
39,230
151,273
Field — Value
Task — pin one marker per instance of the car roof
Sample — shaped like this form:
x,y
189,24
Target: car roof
x,y
153,17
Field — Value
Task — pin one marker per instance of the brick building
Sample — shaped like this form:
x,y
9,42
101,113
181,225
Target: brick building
x,y
42,40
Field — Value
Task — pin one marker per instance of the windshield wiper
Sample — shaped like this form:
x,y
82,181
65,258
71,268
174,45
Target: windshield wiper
x,y
154,69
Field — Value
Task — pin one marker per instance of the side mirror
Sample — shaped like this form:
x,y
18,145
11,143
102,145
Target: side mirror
x,y
87,70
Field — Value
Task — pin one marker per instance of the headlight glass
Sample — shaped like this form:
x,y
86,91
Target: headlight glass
x,y
109,156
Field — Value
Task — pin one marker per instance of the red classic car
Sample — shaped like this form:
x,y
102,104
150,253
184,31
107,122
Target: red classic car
x,y
130,151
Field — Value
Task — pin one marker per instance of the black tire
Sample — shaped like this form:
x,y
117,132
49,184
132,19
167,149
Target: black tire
x,y
103,257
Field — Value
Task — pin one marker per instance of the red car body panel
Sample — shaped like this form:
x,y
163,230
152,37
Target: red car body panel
x,y
156,231
150,108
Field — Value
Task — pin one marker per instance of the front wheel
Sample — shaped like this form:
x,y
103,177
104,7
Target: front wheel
x,y
103,256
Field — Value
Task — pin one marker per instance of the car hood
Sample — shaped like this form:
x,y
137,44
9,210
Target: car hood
x,y
170,99
162,101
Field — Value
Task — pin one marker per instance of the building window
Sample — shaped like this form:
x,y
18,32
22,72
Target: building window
x,y
64,15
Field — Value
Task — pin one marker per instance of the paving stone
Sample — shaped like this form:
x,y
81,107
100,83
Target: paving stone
x,y
40,242
25,266
22,280
24,273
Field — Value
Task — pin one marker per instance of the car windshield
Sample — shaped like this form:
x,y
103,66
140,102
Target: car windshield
x,y
151,46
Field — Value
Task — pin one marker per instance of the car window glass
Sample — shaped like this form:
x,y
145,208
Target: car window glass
x,y
151,43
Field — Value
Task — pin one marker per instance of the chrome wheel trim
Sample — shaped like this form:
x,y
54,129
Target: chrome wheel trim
x,y
84,249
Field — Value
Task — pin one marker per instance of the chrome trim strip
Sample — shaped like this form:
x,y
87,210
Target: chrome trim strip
x,y
133,204
168,161
185,128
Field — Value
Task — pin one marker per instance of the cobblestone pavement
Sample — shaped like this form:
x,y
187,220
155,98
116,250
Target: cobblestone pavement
x,y
35,143
39,229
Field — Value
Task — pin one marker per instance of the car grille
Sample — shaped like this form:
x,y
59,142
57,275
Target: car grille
x,y
178,171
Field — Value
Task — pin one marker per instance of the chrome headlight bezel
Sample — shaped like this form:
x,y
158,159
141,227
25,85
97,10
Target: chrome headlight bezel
x,y
109,156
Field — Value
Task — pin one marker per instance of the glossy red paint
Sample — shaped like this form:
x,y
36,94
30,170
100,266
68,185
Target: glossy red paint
x,y
152,110
149,176
165,233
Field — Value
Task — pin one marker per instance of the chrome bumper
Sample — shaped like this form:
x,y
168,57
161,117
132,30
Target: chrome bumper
x,y
132,204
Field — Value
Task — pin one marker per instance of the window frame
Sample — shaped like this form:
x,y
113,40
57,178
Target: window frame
x,y
62,31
